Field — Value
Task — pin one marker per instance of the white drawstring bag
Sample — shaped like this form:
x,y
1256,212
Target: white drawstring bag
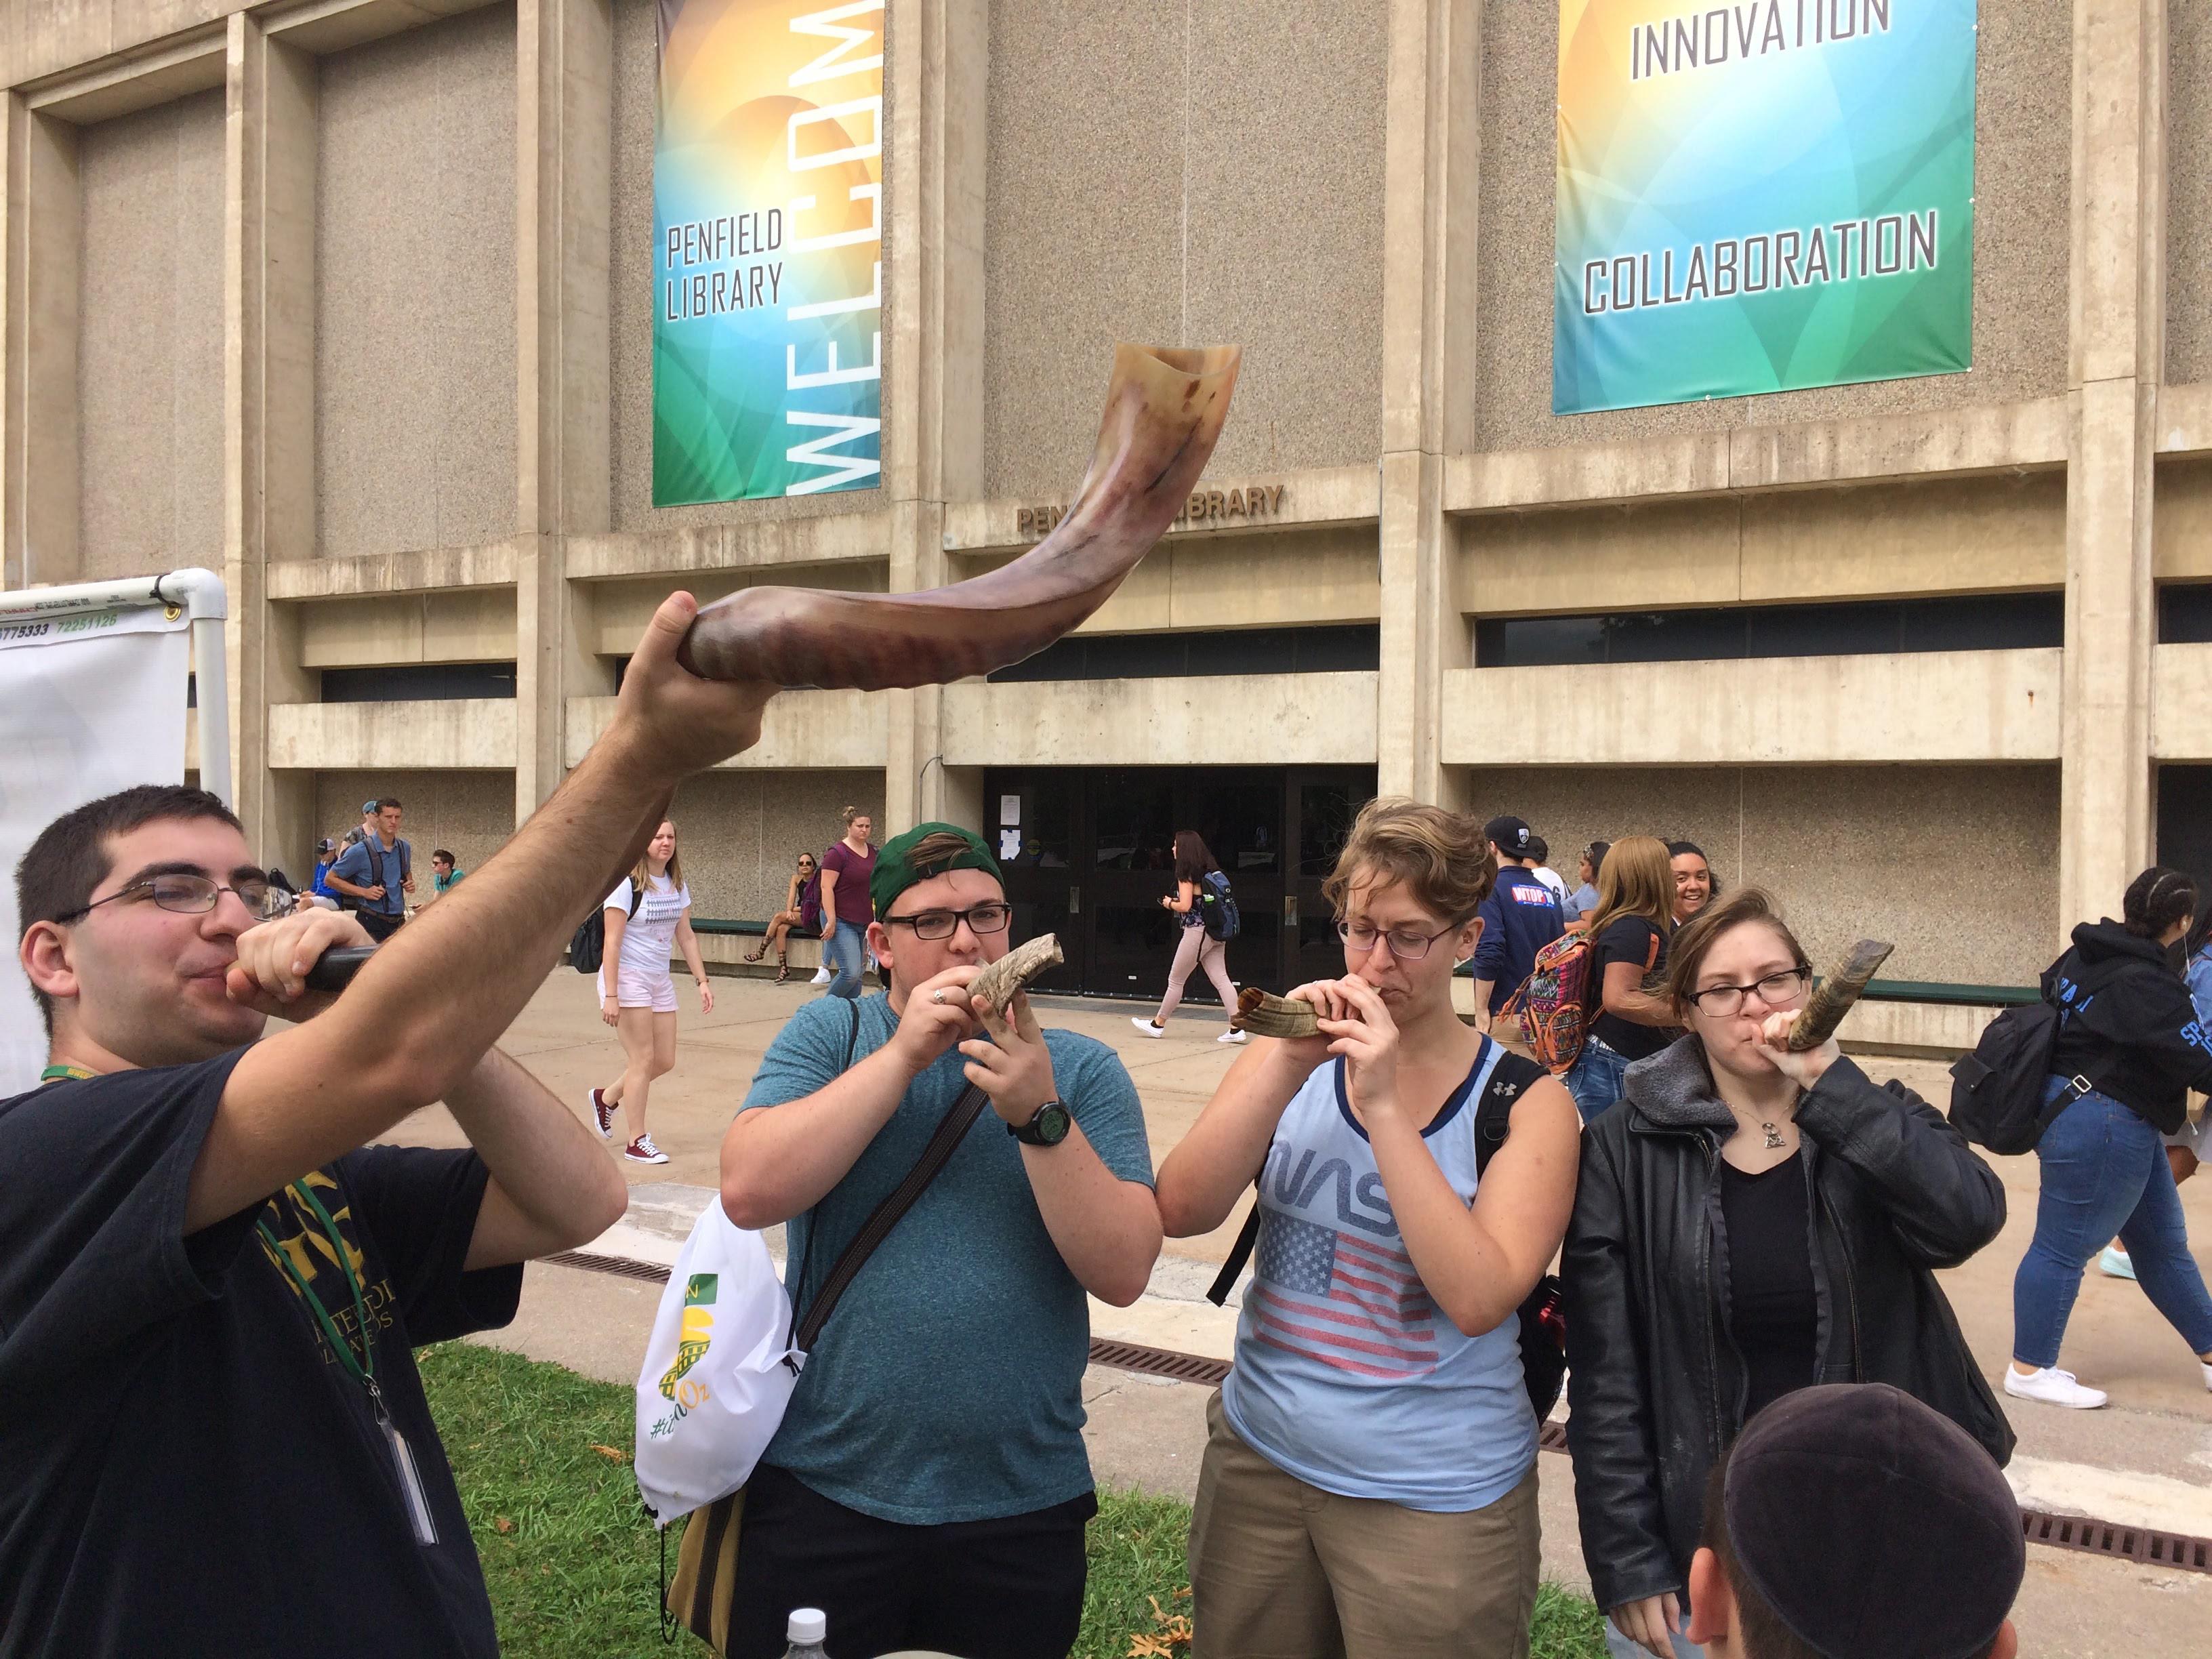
x,y
716,1382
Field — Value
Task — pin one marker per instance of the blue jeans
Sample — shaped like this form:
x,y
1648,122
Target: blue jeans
x,y
2104,1172
1596,1078
846,953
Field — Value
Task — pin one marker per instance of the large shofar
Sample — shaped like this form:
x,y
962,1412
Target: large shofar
x,y
1269,1016
1011,974
1163,411
1833,997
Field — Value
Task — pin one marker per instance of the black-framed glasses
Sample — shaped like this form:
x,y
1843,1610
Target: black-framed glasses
x,y
1407,944
1719,1001
195,895
943,924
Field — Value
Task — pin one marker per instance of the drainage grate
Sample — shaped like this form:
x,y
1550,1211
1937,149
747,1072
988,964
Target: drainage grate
x,y
2176,1552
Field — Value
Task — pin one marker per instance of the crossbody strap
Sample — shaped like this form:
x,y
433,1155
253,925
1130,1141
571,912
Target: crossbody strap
x,y
944,1140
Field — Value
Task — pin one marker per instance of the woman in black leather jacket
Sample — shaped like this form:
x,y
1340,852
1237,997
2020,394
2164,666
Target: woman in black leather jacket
x,y
1749,1221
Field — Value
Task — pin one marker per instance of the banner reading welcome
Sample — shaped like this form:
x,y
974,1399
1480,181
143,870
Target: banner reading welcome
x,y
1760,197
767,262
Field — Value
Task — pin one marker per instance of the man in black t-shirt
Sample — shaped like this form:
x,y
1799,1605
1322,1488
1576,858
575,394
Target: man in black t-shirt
x,y
213,1439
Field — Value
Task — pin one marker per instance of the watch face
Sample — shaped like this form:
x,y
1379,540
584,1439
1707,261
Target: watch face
x,y
1050,1127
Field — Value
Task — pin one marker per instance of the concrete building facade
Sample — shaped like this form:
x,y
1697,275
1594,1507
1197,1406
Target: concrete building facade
x,y
350,301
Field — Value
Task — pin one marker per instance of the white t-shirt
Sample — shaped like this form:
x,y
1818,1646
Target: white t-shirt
x,y
1550,878
649,938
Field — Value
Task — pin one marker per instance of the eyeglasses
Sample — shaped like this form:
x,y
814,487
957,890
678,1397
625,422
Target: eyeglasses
x,y
195,895
943,924
1719,1001
1405,944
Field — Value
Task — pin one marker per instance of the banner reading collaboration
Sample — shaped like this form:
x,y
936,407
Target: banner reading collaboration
x,y
1893,244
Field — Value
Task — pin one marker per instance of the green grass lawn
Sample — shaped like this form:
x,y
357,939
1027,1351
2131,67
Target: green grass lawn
x,y
573,1566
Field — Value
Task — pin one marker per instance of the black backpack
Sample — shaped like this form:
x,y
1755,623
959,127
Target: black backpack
x,y
1997,1092
588,947
1215,909
1543,1314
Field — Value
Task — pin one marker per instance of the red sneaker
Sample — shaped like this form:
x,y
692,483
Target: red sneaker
x,y
601,1113
642,1151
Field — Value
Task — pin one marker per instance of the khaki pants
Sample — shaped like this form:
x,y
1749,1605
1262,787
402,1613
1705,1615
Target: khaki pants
x,y
1281,1570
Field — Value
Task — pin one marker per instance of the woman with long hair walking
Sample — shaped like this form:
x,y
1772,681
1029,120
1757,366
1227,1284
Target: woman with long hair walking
x,y
648,917
1194,946
801,909
1625,1021
2130,1033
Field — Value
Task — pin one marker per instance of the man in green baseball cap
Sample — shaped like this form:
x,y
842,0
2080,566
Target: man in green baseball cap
x,y
929,1488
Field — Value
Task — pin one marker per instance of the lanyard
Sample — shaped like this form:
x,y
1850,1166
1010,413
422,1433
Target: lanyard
x,y
363,1369
61,1073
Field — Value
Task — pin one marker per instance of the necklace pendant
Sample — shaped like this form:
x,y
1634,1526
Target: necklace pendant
x,y
1773,1137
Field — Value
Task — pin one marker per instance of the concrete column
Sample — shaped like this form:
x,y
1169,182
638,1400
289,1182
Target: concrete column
x,y
1432,159
268,413
2116,358
38,379
934,413
564,158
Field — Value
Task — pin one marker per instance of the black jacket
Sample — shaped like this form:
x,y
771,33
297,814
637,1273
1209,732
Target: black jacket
x,y
2130,1026
1654,1379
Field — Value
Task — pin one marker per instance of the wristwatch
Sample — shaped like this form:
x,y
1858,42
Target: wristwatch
x,y
1047,1126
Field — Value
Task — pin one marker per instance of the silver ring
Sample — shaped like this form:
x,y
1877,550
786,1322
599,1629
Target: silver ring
x,y
936,996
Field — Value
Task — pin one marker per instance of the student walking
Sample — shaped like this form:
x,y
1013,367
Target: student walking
x,y
847,870
1197,875
1749,1221
648,917
1369,1484
2132,1033
1628,931
801,909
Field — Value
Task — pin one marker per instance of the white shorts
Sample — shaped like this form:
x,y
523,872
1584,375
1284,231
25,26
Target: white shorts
x,y
641,987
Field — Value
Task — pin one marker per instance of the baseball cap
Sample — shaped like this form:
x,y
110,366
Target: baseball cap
x,y
896,870
1873,1525
369,806
1508,835
326,845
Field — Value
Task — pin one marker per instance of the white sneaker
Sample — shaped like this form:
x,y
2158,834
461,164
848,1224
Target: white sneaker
x,y
822,976
2114,1264
642,1151
2056,1388
1146,1026
2206,1369
1233,1035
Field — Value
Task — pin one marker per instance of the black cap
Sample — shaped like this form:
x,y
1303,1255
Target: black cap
x,y
1872,1524
1509,836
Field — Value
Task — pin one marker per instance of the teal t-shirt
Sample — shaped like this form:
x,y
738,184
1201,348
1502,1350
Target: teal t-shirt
x,y
948,1386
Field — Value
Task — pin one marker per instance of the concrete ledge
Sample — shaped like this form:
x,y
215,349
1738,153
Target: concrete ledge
x,y
1315,720
824,540
2181,702
1912,708
381,575
1314,496
801,731
463,734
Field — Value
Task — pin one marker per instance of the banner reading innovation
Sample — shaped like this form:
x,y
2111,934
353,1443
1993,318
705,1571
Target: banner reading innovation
x,y
1761,197
767,262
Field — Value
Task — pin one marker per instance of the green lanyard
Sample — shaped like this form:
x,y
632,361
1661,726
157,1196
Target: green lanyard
x,y
66,1075
363,1371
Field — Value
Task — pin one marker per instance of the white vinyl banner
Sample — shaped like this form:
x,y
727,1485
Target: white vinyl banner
x,y
90,703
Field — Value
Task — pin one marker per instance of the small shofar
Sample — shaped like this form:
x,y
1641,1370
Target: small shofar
x,y
1833,997
1268,1015
1007,978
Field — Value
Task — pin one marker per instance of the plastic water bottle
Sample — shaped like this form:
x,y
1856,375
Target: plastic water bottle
x,y
805,1632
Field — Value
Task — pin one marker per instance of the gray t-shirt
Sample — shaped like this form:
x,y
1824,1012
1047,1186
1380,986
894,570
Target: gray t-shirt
x,y
948,1386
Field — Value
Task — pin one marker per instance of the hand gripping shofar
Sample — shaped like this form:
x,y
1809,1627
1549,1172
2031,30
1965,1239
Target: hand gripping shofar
x,y
1012,973
1163,412
1833,997
1266,1015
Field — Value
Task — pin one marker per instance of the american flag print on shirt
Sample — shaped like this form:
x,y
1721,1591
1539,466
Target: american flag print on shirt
x,y
1349,1301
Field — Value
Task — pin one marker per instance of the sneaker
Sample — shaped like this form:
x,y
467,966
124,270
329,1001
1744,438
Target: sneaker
x,y
2206,1369
642,1151
1233,1035
2114,1264
1148,1027
822,976
2055,1387
601,1113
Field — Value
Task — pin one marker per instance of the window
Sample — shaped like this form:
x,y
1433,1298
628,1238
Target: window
x,y
427,683
1981,622
1352,648
2185,613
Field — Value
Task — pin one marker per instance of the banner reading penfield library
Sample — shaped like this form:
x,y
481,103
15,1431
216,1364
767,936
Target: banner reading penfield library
x,y
1760,197
768,257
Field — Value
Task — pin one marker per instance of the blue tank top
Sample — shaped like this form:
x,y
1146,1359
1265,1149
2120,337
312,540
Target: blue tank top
x,y
1347,1374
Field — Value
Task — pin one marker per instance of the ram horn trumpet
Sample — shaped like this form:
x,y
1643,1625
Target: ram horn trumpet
x,y
1163,412
1833,997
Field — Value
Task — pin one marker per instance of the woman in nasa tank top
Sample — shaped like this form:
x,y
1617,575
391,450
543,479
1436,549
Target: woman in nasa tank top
x,y
1369,1484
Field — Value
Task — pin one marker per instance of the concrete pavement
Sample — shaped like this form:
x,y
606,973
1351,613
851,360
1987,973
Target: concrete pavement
x,y
2147,1459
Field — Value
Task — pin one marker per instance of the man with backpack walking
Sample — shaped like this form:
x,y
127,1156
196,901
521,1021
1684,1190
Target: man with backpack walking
x,y
1520,916
374,876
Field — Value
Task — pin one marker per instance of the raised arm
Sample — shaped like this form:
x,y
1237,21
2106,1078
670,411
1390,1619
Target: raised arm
x,y
422,1014
1200,1180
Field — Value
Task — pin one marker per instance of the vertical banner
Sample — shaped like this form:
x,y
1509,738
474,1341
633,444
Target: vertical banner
x,y
90,703
768,286
1761,197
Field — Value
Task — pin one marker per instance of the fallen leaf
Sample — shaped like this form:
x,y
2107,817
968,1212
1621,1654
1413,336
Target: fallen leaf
x,y
613,1455
500,1523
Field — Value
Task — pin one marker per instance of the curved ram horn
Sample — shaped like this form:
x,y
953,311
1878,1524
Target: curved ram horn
x,y
1833,997
1163,411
